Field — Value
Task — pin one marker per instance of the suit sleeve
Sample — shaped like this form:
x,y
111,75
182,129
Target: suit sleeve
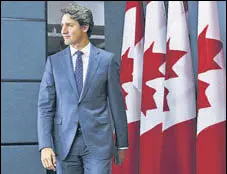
x,y
46,107
116,103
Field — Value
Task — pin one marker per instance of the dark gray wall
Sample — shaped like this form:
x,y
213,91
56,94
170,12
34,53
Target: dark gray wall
x,y
23,43
114,22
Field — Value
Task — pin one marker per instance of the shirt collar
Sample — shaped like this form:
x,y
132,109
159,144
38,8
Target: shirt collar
x,y
85,50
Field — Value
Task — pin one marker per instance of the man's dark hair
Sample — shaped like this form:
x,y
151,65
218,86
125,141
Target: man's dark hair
x,y
80,14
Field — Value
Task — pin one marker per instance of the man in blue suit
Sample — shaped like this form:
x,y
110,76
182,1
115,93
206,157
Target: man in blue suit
x,y
79,91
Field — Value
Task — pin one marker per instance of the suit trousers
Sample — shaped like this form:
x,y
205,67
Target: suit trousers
x,y
81,161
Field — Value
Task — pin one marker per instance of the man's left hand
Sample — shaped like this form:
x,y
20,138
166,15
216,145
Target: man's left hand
x,y
121,156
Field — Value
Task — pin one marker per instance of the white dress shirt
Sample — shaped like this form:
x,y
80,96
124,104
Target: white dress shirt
x,y
85,58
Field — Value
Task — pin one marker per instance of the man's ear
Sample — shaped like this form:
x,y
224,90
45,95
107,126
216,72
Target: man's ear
x,y
85,28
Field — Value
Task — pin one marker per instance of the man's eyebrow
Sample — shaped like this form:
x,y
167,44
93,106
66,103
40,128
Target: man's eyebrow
x,y
67,23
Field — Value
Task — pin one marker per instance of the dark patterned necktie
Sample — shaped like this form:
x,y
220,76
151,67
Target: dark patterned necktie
x,y
79,71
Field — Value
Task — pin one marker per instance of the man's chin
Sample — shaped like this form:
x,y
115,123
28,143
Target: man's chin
x,y
67,42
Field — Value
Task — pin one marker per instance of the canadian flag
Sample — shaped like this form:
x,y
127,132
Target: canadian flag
x,y
211,125
179,126
131,81
153,88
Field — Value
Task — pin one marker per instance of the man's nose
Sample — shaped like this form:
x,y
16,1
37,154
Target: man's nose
x,y
64,30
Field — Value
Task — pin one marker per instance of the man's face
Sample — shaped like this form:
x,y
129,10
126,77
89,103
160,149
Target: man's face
x,y
71,30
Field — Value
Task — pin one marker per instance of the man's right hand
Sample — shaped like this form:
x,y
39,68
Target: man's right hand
x,y
48,159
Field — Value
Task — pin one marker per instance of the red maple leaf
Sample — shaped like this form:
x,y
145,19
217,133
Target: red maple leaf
x,y
126,72
151,65
207,50
165,105
172,56
148,99
203,101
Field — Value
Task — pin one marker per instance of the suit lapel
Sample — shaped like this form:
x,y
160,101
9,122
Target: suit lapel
x,y
68,67
93,63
